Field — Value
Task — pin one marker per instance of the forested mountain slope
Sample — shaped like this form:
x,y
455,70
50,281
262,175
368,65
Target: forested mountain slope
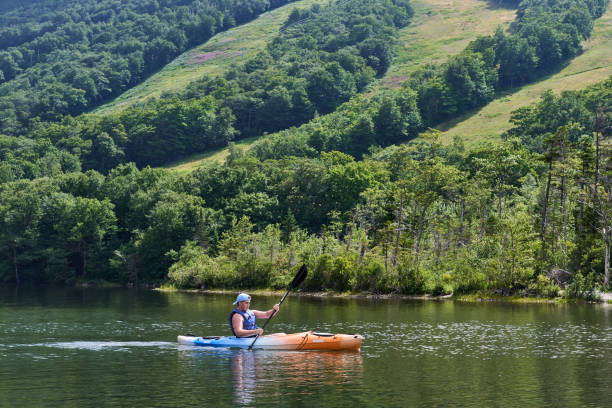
x,y
441,29
542,40
213,57
489,123
427,41
63,57
322,58
438,30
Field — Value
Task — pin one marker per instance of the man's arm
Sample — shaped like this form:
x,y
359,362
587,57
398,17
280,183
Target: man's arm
x,y
265,315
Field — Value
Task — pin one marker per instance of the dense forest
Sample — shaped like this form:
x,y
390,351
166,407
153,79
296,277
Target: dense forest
x,y
71,55
411,219
339,193
303,71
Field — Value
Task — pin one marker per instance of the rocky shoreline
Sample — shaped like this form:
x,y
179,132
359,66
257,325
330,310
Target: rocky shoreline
x,y
606,298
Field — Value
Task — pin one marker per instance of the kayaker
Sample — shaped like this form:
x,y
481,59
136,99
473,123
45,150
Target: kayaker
x,y
242,319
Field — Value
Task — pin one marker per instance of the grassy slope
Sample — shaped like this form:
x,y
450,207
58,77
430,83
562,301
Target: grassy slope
x,y
440,28
201,159
594,65
211,58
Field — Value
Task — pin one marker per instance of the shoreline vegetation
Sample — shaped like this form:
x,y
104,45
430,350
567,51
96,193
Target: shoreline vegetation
x,y
603,298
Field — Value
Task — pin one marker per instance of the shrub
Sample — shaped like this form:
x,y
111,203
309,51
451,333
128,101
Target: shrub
x,y
468,276
319,277
582,287
279,277
413,279
443,285
219,273
186,270
544,287
370,277
343,273
252,272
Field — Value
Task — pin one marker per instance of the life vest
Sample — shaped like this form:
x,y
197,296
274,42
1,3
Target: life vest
x,y
247,324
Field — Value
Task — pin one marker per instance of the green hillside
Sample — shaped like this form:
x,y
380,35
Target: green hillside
x,y
594,65
62,58
211,58
330,180
439,29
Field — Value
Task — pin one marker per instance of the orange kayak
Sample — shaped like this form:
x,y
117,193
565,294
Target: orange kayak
x,y
281,341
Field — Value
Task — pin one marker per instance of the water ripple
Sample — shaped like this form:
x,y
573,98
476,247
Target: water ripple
x,y
485,340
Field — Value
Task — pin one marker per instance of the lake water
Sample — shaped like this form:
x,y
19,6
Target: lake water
x,y
66,347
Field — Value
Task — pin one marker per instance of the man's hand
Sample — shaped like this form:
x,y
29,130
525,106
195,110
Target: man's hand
x,y
259,331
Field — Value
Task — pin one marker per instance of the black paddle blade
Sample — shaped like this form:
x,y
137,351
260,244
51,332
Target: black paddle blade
x,y
299,277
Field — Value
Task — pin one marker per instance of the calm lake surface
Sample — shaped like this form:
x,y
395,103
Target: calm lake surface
x,y
66,347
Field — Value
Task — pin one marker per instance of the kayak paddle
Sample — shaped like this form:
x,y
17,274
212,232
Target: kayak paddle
x,y
297,280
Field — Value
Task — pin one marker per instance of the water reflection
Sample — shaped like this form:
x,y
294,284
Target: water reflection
x,y
267,374
245,373
255,372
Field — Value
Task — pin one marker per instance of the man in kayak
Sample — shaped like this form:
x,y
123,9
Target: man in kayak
x,y
242,319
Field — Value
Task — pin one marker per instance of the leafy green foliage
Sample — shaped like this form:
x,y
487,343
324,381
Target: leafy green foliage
x,y
543,286
583,287
320,59
543,37
304,70
71,55
533,124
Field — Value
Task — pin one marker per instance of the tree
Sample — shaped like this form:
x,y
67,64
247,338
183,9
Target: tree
x,y
501,166
389,123
321,91
600,202
104,154
259,207
83,222
21,212
518,248
359,136
377,53
277,109
173,220
435,101
516,58
347,182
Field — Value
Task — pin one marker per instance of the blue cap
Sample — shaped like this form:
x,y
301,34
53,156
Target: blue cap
x,y
241,298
